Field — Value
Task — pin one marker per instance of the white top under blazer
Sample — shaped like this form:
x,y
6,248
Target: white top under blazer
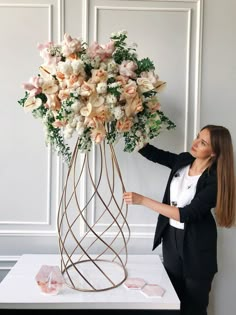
x,y
182,190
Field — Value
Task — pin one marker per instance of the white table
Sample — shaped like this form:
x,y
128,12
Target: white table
x,y
19,290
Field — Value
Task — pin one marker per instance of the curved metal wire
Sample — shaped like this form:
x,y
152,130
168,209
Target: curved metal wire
x,y
100,244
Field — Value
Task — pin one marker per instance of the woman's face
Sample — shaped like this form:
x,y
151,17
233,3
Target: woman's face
x,y
201,147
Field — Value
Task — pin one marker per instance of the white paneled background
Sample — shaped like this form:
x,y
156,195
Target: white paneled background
x,y
192,44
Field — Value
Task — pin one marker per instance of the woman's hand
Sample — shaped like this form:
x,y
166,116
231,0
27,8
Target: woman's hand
x,y
132,198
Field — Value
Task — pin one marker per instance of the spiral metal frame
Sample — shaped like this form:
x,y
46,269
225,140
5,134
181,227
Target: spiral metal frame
x,y
71,262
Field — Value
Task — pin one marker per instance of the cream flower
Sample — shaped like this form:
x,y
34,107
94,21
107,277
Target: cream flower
x,y
101,88
78,66
49,87
86,110
151,76
144,85
64,94
76,106
118,112
53,102
111,99
32,103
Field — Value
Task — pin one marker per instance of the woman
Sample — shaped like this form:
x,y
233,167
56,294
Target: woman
x,y
199,181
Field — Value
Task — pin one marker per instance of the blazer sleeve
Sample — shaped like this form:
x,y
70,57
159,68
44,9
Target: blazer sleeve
x,y
156,155
202,203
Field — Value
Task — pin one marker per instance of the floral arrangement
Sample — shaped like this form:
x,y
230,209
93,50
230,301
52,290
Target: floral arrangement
x,y
96,92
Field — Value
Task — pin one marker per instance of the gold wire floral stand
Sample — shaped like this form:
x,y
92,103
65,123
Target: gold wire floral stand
x,y
93,244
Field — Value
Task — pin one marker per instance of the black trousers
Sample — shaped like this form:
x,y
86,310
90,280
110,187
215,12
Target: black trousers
x,y
193,293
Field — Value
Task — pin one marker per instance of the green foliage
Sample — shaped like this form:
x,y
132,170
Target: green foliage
x,y
23,99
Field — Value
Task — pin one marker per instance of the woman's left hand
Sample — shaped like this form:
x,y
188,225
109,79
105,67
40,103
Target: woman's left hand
x,y
132,198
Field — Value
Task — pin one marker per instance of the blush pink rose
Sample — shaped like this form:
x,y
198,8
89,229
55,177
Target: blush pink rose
x,y
102,51
46,55
70,45
127,68
34,86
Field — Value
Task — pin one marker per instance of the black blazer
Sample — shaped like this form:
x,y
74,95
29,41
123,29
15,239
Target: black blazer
x,y
200,238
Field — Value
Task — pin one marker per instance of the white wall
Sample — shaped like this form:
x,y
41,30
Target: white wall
x,y
192,44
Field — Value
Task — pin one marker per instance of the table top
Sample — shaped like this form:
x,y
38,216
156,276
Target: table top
x,y
19,289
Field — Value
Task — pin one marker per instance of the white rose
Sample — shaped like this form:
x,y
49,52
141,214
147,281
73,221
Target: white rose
x,y
138,133
79,118
95,62
112,67
73,124
101,88
111,99
76,106
77,66
147,129
118,112
65,68
103,66
80,130
68,132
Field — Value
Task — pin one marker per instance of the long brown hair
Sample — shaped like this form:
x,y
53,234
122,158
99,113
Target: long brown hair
x,y
222,147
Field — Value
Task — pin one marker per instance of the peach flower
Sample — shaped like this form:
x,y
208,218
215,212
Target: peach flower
x,y
98,75
60,75
124,124
98,133
133,106
153,104
122,80
53,102
59,123
64,94
87,89
130,90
